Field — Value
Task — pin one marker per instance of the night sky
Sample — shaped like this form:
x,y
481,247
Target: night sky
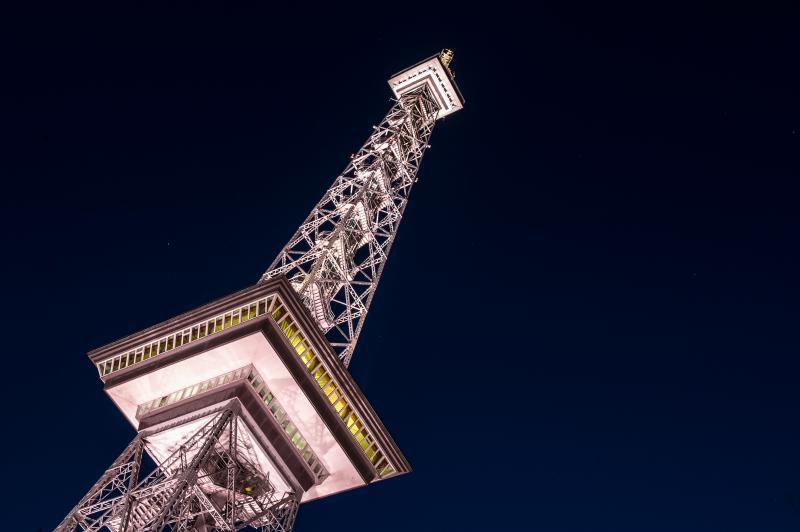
x,y
589,318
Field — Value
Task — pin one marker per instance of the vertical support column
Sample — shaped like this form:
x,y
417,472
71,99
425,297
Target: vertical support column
x,y
189,476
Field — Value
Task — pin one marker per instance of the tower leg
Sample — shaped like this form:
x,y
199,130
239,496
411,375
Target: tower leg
x,y
209,484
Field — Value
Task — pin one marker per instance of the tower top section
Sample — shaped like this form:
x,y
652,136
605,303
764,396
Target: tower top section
x,y
434,72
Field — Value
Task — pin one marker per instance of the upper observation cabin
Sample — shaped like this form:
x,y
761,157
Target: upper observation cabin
x,y
435,73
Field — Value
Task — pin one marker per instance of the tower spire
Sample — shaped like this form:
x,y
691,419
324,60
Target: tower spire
x,y
335,258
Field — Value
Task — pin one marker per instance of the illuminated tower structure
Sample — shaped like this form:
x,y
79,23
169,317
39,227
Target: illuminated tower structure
x,y
245,405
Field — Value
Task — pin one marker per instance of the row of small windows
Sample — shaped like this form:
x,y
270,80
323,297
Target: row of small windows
x,y
289,428
211,326
275,409
317,369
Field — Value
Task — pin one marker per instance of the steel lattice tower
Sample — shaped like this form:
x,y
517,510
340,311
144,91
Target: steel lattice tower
x,y
245,405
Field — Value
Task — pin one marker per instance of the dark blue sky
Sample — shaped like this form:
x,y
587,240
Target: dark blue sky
x,y
589,319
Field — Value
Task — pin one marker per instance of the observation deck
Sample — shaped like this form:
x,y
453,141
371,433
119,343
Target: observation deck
x,y
312,429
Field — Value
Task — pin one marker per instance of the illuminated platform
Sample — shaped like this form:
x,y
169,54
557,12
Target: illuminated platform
x,y
435,74
311,430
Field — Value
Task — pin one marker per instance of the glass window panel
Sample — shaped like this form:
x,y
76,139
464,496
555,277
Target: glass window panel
x,y
312,363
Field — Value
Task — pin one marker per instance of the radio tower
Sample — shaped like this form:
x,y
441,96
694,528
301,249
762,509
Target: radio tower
x,y
244,405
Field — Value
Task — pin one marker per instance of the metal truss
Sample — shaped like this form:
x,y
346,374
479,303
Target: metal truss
x,y
210,483
336,257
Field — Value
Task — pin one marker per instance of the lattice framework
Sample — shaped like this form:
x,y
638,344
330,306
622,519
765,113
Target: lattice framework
x,y
336,257
210,483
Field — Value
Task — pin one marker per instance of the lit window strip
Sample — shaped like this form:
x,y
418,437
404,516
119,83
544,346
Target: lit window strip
x,y
272,404
197,331
331,389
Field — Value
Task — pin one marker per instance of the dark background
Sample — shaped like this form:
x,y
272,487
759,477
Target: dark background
x,y
589,320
